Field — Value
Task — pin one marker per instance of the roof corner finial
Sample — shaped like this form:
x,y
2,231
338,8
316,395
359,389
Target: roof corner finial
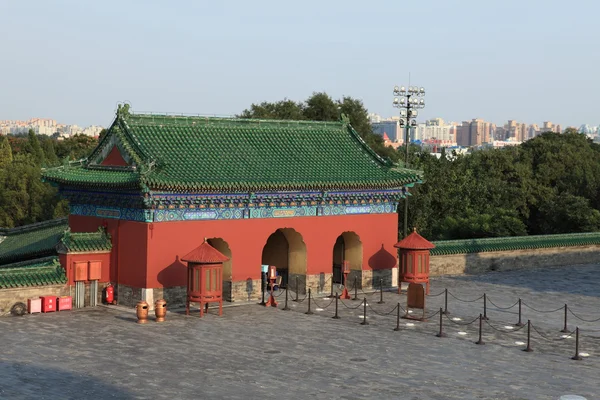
x,y
414,229
205,240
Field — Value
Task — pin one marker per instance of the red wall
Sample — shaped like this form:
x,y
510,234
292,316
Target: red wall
x,y
129,247
158,246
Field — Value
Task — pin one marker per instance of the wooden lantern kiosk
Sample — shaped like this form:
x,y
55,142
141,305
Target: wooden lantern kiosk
x,y
205,280
414,260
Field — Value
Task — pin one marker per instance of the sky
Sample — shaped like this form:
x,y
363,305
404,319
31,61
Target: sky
x,y
75,60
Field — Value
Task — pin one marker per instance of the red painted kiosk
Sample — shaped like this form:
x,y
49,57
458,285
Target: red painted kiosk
x,y
414,260
204,283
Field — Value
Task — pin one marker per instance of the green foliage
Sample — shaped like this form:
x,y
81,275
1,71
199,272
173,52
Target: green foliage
x,y
6,155
550,184
321,107
24,198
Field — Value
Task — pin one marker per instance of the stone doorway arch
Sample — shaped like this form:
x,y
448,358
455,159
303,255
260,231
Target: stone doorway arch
x,y
347,247
221,245
286,250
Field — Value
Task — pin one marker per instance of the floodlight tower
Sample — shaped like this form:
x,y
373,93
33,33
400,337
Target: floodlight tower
x,y
408,101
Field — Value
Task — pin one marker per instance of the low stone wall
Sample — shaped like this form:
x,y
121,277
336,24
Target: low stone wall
x,y
9,297
476,263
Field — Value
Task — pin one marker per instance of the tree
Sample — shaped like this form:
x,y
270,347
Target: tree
x,y
321,107
6,155
49,153
358,115
284,109
34,147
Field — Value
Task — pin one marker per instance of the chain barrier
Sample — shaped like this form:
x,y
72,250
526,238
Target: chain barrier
x,y
436,295
280,293
507,330
582,319
552,339
502,308
320,306
459,323
382,313
466,301
541,311
349,307
432,315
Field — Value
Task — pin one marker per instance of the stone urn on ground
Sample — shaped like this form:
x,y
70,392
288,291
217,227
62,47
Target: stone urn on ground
x,y
160,310
141,309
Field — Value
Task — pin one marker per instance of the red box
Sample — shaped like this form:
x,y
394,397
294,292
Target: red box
x,y
34,305
64,303
81,271
48,303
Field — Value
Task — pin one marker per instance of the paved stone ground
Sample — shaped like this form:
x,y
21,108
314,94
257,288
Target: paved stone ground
x,y
257,353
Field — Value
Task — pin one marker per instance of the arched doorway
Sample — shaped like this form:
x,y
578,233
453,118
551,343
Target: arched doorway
x,y
286,250
347,247
223,247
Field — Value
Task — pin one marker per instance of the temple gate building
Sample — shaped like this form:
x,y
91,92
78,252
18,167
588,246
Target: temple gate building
x,y
300,195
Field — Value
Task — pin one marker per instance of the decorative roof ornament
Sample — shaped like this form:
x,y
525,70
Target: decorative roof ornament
x,y
123,110
345,119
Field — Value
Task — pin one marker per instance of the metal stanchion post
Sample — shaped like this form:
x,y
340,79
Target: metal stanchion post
x,y
286,299
565,329
577,357
297,290
528,348
262,289
441,332
336,316
365,313
355,288
331,292
397,328
519,323
485,307
446,302
480,341
380,292
309,311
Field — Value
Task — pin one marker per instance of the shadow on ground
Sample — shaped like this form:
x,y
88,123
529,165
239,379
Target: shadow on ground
x,y
27,381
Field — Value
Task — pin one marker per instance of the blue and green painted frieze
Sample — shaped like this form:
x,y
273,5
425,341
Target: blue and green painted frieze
x,y
164,207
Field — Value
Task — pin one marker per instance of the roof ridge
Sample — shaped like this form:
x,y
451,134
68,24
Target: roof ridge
x,y
33,227
229,119
30,262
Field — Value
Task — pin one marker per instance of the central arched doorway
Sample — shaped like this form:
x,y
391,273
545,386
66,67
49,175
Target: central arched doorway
x,y
223,247
347,247
286,250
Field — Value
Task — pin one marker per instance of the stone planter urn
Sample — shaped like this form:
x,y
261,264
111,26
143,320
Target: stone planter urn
x,y
141,309
160,310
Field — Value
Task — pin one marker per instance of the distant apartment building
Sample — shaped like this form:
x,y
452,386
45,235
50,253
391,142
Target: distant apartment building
x,y
475,132
550,127
390,127
435,129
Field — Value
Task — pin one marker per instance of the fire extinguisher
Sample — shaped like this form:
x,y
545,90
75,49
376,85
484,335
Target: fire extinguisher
x,y
109,294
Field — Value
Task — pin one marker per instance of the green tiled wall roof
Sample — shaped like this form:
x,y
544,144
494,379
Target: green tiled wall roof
x,y
444,247
86,242
31,241
197,154
39,272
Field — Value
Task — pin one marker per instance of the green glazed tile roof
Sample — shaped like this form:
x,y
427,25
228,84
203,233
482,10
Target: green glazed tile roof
x,y
197,154
445,247
98,241
39,272
31,241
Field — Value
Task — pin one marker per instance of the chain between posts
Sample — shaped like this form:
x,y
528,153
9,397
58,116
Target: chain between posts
x,y
549,339
461,324
320,306
349,307
502,308
582,319
466,301
505,330
382,313
542,311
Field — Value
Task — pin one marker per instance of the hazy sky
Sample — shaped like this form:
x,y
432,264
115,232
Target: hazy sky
x,y
529,60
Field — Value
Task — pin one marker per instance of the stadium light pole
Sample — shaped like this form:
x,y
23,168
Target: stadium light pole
x,y
408,101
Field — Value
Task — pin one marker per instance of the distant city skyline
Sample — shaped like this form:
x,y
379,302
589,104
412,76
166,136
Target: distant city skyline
x,y
522,60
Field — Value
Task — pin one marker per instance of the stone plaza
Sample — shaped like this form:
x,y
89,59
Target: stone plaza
x,y
252,352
